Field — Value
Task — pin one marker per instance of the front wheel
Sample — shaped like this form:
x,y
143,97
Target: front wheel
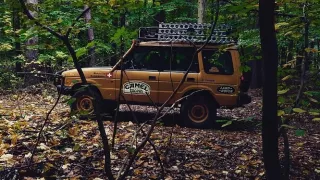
x,y
198,112
83,103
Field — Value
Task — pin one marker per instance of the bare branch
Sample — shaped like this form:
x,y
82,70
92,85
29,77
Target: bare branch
x,y
43,125
30,16
77,19
149,140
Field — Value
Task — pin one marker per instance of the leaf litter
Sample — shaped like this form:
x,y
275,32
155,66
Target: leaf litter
x,y
71,148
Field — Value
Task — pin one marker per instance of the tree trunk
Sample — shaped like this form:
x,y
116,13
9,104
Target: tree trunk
x,y
305,60
122,24
160,16
256,77
91,59
270,63
32,54
16,26
201,10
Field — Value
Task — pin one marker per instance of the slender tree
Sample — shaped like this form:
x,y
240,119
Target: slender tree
x,y
31,53
201,10
270,64
87,17
16,26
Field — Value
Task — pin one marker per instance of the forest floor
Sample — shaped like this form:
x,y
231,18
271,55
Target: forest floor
x,y
71,148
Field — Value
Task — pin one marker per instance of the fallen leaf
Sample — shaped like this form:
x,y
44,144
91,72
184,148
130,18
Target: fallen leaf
x,y
238,171
298,110
244,157
316,119
6,157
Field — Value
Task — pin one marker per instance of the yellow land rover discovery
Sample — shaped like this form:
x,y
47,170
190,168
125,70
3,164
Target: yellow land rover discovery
x,y
154,66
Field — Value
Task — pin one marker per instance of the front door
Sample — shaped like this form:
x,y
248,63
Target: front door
x,y
140,76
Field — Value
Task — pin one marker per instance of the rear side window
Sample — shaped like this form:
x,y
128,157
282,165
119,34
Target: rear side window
x,y
179,58
216,62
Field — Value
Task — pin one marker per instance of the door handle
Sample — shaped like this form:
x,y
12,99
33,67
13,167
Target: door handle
x,y
152,78
191,79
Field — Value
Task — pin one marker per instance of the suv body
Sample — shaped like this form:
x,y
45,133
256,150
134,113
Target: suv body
x,y
153,69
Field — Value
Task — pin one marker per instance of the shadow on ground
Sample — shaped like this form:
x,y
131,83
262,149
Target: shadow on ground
x,y
173,118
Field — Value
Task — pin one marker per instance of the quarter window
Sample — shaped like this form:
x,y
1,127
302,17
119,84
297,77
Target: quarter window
x,y
216,62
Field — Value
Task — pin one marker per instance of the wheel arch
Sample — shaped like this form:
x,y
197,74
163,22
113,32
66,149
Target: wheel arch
x,y
75,87
202,92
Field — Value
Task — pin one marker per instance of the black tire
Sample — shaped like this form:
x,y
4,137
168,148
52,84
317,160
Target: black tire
x,y
198,112
83,103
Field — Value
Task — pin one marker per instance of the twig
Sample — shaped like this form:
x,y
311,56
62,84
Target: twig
x,y
36,73
44,124
118,107
149,140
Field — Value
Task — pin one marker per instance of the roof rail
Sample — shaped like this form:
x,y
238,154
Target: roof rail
x,y
186,32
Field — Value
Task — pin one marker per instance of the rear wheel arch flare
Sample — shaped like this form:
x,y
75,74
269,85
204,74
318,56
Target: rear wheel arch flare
x,y
205,93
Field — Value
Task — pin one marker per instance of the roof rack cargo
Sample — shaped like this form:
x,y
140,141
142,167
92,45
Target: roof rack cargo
x,y
186,32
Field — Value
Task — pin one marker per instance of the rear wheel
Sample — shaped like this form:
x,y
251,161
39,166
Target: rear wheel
x,y
198,112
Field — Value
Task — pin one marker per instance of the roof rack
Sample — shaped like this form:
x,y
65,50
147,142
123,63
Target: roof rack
x,y
186,32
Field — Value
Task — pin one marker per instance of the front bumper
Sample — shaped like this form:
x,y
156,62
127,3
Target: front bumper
x,y
64,90
59,83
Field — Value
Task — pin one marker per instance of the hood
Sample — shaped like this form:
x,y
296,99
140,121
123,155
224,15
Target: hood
x,y
89,71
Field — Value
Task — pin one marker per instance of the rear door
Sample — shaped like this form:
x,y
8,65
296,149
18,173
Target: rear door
x,y
140,76
221,74
175,65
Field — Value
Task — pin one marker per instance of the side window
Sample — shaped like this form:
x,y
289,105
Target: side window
x,y
217,62
143,58
179,59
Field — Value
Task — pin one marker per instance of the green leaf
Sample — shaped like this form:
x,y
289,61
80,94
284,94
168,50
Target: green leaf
x,y
249,118
286,78
130,150
81,51
314,113
313,100
221,121
71,100
298,110
75,81
227,124
281,113
283,91
287,110
316,119
287,126
76,147
281,100
300,132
